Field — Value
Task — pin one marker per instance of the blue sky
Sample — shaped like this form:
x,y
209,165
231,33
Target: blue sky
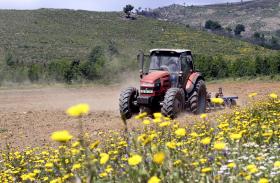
x,y
99,5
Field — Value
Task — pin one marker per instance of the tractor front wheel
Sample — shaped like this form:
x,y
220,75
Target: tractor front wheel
x,y
174,102
127,102
198,98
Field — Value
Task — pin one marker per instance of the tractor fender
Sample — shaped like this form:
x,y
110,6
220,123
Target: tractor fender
x,y
192,81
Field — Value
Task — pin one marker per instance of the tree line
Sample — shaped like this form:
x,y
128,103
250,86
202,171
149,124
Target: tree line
x,y
217,67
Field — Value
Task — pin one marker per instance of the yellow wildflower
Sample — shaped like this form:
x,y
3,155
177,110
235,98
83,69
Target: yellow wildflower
x,y
158,158
206,170
203,116
252,95
76,166
104,157
180,132
235,136
263,180
146,122
78,110
231,165
171,145
164,124
273,96
94,144
49,165
103,174
140,116
276,164
154,179
157,115
206,140
217,100
252,168
219,146
134,160
61,136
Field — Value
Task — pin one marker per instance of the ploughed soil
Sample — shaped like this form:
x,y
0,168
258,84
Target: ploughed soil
x,y
29,116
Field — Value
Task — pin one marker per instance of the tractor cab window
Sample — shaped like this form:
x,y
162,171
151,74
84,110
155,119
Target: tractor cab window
x,y
165,61
187,63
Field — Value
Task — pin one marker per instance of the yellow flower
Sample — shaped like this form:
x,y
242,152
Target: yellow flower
x,y
164,124
146,122
252,168
219,146
157,120
231,165
140,116
78,110
104,157
273,95
181,132
61,136
252,94
203,116
157,115
206,140
217,100
49,165
235,136
76,166
154,179
171,145
134,160
263,180
158,158
206,170
177,162
276,164
94,144
103,174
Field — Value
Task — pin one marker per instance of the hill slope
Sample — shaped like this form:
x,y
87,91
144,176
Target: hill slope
x,y
256,15
47,34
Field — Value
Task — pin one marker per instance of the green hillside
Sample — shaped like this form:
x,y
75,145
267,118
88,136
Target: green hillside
x,y
47,35
257,15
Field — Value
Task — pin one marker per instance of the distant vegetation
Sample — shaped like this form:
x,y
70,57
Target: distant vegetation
x,y
218,67
49,45
260,16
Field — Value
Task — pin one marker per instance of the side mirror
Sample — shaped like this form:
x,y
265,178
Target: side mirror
x,y
140,59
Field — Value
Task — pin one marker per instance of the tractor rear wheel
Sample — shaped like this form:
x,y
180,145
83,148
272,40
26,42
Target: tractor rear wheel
x,y
127,102
198,98
173,103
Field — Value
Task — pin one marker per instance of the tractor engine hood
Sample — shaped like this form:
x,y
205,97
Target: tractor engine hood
x,y
153,76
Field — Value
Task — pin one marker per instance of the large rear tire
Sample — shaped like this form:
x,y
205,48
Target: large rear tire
x,y
198,98
127,102
173,103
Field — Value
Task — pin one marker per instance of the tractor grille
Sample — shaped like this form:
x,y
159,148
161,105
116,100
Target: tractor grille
x,y
146,90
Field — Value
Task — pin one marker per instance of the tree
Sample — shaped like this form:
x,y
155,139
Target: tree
x,y
127,10
93,68
213,25
238,29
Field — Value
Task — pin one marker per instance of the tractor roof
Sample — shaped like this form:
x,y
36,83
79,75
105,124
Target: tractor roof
x,y
170,50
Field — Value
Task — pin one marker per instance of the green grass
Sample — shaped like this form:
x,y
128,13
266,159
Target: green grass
x,y
46,35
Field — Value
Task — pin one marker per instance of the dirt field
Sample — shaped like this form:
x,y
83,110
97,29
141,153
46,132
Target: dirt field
x,y
29,116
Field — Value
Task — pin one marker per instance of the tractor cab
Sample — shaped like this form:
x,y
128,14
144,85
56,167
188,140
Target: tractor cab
x,y
177,62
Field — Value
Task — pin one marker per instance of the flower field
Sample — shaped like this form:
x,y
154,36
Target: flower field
x,y
241,146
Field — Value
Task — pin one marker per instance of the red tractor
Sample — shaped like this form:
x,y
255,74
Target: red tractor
x,y
170,84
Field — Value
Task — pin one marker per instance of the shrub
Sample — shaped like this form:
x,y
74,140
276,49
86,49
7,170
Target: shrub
x,y
213,25
238,29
